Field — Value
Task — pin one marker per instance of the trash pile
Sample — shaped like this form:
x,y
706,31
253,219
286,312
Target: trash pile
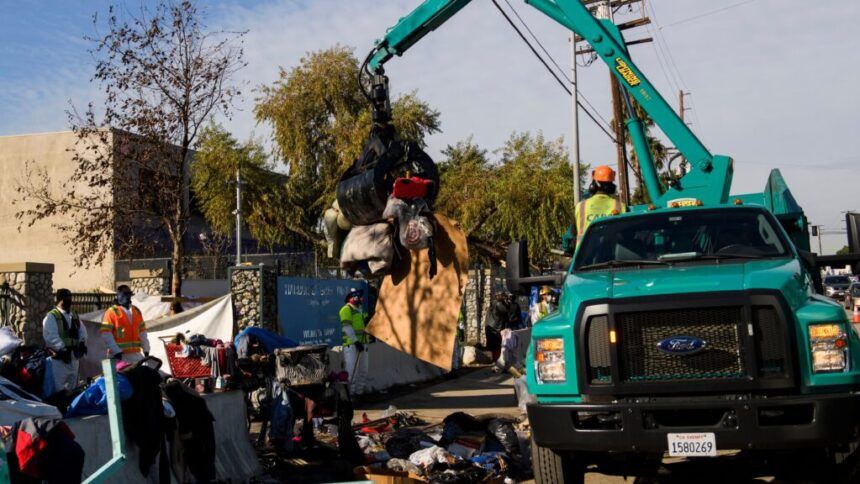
x,y
462,449
370,241
384,200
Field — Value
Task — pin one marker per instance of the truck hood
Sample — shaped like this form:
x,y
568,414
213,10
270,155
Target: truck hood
x,y
778,274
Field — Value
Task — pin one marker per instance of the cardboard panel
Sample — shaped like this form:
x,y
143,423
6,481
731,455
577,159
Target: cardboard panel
x,y
417,315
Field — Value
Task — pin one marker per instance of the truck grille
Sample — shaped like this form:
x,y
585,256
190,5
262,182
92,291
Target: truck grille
x,y
769,343
747,346
642,360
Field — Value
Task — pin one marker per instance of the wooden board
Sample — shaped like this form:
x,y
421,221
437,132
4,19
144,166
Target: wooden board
x,y
417,315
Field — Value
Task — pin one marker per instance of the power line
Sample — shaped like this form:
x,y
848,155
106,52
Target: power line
x,y
654,45
551,71
673,65
552,59
664,48
707,14
517,14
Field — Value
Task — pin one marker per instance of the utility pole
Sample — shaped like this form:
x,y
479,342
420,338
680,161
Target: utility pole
x,y
238,213
621,146
574,119
681,110
604,11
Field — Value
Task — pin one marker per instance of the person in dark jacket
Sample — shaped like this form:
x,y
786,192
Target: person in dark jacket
x,y
515,313
500,315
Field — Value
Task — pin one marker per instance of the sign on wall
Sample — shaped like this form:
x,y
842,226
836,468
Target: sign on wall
x,y
308,308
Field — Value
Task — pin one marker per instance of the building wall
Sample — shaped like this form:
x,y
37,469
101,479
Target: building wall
x,y
41,242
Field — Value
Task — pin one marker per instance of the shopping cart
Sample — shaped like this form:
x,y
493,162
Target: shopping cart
x,y
183,368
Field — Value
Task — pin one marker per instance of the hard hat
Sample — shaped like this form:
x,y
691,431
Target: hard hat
x,y
545,290
353,292
603,174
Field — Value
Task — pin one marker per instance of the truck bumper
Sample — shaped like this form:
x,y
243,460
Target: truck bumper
x,y
790,422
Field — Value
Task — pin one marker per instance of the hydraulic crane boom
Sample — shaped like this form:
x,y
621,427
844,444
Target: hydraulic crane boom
x,y
710,176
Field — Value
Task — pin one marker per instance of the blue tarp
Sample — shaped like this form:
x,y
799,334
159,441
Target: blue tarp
x,y
270,341
93,401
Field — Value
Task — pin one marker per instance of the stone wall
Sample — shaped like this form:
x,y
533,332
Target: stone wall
x,y
31,288
250,285
483,286
149,281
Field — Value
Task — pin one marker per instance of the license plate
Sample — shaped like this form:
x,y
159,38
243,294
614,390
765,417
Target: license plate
x,y
692,445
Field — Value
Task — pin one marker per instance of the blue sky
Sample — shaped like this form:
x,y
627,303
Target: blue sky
x,y
773,82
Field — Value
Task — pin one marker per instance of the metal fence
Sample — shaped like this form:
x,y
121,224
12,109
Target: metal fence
x,y
83,303
206,267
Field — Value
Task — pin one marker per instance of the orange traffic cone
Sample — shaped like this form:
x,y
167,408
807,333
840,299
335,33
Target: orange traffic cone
x,y
857,314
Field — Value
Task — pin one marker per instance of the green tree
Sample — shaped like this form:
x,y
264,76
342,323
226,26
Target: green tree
x,y
213,173
532,194
466,185
845,250
525,195
320,120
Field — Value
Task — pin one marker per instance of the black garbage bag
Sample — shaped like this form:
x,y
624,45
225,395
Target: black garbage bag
x,y
503,431
457,424
462,472
405,442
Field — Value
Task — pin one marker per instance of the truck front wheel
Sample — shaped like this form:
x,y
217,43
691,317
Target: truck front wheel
x,y
551,467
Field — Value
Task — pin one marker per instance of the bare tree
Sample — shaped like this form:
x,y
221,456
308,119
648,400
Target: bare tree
x,y
164,76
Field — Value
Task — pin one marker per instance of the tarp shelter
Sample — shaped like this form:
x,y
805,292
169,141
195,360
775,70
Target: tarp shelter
x,y
213,319
16,404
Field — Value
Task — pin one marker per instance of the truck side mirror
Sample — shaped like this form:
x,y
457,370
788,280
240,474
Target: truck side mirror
x,y
517,267
518,279
811,265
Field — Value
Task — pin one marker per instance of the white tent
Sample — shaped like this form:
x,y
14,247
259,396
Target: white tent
x,y
213,319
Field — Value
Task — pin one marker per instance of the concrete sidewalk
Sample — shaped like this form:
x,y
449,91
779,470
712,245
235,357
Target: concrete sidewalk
x,y
475,391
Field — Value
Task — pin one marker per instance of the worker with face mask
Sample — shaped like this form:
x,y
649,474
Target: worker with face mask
x,y
601,202
66,339
123,329
353,320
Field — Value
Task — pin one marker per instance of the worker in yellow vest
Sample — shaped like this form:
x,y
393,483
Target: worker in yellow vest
x,y
601,202
123,329
66,338
353,320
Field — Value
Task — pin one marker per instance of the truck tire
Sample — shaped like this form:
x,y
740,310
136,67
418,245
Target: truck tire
x,y
551,467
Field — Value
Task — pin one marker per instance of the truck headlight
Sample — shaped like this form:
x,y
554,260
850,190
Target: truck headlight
x,y
829,347
829,291
549,360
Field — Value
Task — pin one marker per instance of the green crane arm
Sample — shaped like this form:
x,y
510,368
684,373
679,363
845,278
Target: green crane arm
x,y
710,176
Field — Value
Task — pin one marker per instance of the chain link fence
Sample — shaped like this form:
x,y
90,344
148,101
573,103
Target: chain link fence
x,y
207,267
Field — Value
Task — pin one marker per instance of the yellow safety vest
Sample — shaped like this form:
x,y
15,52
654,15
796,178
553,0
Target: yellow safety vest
x,y
64,333
356,319
594,207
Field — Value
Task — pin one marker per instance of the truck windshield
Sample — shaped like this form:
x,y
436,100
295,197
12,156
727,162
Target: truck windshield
x,y
665,238
837,280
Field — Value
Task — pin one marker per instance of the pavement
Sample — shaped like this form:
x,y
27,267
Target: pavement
x,y
477,391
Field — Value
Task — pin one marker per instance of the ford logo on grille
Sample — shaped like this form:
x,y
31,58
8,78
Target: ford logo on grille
x,y
681,345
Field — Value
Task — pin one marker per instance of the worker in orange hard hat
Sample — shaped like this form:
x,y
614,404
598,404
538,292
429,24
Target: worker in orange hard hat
x,y
600,203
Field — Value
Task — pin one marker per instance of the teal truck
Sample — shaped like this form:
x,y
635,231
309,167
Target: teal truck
x,y
687,326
